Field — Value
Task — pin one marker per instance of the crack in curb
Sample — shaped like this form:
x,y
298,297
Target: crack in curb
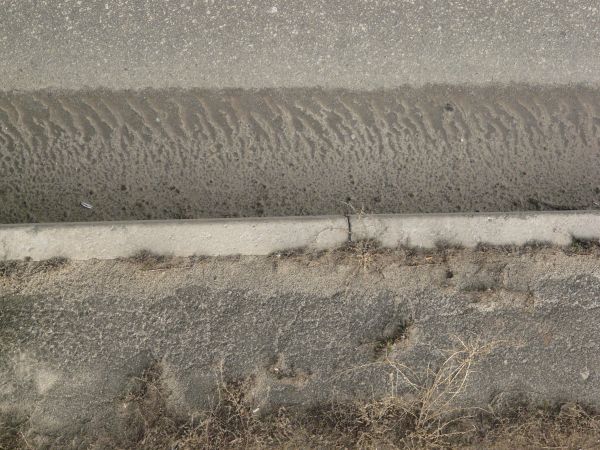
x,y
349,227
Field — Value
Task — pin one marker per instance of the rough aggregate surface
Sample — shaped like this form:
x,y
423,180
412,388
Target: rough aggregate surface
x,y
353,44
300,330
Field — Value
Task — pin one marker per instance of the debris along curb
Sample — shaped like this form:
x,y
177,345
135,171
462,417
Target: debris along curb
x,y
262,236
208,237
470,230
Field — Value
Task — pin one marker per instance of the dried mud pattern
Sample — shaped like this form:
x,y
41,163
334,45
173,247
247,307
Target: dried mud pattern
x,y
158,154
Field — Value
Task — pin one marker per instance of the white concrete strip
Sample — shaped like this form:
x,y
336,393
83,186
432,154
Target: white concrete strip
x,y
224,237
468,230
212,237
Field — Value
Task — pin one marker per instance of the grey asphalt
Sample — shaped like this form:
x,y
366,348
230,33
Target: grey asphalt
x,y
148,109
354,44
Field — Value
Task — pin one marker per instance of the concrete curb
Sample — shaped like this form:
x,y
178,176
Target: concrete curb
x,y
469,230
262,236
211,237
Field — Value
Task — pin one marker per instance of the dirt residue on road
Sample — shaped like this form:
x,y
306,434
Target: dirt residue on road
x,y
192,153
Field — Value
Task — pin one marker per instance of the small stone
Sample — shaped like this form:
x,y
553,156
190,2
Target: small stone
x,y
585,374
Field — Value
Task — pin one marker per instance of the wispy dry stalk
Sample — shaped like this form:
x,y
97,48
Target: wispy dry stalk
x,y
431,404
421,411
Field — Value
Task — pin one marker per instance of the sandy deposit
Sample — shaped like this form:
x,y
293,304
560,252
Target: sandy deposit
x,y
158,154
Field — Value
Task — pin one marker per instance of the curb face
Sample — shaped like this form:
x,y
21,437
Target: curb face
x,y
429,231
110,240
228,237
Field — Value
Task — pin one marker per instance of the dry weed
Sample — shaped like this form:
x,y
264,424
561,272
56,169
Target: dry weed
x,y
427,417
13,268
422,411
148,261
